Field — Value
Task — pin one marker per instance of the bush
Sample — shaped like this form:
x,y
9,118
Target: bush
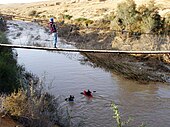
x,y
151,21
34,110
81,19
9,80
64,17
126,15
9,70
32,13
68,17
143,19
32,106
167,24
133,23
84,21
2,24
3,38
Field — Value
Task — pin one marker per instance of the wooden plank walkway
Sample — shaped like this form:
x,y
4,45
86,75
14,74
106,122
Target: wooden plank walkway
x,y
83,50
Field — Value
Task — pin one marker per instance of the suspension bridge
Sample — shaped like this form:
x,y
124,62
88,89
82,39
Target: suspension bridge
x,y
83,50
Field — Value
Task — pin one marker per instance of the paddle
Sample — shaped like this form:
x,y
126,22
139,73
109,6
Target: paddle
x,y
92,91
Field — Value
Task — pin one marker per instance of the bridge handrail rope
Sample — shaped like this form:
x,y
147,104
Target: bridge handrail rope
x,y
83,50
121,31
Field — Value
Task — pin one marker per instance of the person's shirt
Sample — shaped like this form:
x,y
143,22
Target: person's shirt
x,y
53,28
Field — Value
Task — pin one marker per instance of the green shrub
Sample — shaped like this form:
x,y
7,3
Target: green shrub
x,y
3,38
9,70
64,17
2,24
132,22
151,21
143,19
68,17
9,76
126,15
9,80
32,13
32,106
118,118
167,23
83,21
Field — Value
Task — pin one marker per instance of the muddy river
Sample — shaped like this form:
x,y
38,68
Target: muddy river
x,y
66,73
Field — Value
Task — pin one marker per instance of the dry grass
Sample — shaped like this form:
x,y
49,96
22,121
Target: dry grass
x,y
93,9
31,107
146,42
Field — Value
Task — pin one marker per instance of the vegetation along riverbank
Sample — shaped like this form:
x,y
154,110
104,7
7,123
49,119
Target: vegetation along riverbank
x,y
22,97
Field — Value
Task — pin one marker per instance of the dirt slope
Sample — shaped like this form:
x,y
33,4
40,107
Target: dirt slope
x,y
8,122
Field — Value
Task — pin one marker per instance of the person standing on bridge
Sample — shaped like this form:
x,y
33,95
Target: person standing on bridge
x,y
53,31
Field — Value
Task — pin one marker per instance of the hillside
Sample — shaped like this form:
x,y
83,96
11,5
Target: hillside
x,y
91,9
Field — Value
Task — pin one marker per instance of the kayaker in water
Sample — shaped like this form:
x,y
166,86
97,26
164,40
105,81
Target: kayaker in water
x,y
71,98
87,93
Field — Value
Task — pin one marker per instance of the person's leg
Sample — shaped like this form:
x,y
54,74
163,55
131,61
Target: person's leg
x,y
55,39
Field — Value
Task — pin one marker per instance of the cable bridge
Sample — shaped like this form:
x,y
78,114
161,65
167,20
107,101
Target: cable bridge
x,y
83,50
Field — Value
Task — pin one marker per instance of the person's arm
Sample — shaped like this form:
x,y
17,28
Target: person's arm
x,y
50,27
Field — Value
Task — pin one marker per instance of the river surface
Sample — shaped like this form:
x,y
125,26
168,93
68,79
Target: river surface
x,y
66,73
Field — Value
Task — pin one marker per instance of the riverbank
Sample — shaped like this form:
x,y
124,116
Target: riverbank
x,y
22,101
6,121
142,68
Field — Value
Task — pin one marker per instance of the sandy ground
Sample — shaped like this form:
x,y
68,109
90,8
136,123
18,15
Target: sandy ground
x,y
8,122
91,9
